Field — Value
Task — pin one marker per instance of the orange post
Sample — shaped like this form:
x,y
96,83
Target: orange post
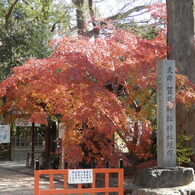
x,y
93,184
107,181
36,182
51,184
121,181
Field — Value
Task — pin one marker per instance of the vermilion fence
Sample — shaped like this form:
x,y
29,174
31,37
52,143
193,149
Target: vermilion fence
x,y
107,175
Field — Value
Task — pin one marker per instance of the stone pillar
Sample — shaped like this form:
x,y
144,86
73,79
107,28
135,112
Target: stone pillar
x,y
166,131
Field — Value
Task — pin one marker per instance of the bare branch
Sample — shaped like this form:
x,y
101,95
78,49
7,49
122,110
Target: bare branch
x,y
90,3
128,12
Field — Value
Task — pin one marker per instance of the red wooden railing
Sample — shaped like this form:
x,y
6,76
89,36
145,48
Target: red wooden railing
x,y
93,189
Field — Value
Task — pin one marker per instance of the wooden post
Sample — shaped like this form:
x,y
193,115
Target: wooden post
x,y
33,145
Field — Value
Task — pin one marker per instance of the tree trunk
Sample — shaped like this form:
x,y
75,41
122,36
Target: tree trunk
x,y
50,144
53,137
181,36
80,15
46,147
181,49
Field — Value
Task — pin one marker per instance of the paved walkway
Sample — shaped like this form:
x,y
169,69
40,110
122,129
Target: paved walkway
x,y
13,183
16,166
16,179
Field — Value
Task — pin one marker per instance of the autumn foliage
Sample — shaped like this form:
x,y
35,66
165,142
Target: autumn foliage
x,y
97,90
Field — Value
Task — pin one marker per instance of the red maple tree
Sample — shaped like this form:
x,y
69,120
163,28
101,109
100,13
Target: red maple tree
x,y
98,89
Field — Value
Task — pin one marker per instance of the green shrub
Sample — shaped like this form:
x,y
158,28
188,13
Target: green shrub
x,y
184,152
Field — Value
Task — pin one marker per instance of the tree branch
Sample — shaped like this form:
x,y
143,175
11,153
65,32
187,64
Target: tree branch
x,y
148,97
9,13
90,3
117,130
128,12
96,29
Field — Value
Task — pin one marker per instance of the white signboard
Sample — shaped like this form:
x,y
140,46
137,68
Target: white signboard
x,y
4,134
80,176
21,122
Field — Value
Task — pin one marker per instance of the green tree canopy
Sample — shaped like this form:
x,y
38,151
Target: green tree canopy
x,y
26,27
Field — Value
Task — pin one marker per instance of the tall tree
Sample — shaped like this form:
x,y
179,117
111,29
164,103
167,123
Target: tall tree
x,y
181,43
180,38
